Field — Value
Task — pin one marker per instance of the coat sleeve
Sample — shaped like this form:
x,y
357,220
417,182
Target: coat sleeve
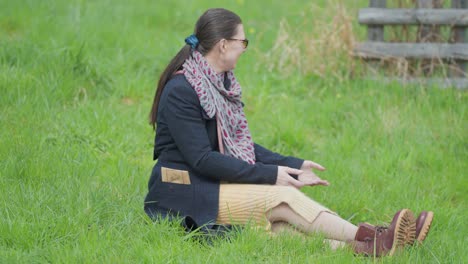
x,y
183,115
269,157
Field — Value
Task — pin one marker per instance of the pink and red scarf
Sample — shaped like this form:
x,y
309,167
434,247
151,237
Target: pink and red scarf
x,y
233,132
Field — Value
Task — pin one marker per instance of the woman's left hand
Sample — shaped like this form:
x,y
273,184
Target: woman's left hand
x,y
308,177
308,165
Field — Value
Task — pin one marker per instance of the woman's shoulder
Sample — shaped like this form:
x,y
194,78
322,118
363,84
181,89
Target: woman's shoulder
x,y
178,87
179,84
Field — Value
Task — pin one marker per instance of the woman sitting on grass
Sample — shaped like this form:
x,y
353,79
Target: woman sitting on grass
x,y
211,173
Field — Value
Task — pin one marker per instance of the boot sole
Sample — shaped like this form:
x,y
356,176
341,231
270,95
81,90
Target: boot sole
x,y
405,231
425,228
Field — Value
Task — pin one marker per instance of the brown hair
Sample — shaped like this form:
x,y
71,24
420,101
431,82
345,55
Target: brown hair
x,y
214,25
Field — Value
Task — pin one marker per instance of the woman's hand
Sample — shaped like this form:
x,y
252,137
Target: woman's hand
x,y
308,165
308,178
284,177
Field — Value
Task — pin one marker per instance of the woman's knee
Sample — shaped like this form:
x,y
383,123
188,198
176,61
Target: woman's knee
x,y
280,213
290,194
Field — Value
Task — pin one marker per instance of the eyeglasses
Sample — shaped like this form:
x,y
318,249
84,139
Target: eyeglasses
x,y
245,42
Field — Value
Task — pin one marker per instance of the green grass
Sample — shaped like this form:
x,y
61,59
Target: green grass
x,y
76,83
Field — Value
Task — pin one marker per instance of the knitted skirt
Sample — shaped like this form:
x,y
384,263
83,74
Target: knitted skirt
x,y
251,203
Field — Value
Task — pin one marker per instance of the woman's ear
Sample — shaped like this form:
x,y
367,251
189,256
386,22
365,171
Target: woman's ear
x,y
222,45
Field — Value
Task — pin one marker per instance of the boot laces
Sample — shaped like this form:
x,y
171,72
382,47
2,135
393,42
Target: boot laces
x,y
381,229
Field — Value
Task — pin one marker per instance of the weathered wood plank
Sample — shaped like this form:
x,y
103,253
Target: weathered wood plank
x,y
379,50
460,83
399,16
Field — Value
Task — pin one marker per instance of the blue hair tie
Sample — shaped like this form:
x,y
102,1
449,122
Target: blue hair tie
x,y
192,40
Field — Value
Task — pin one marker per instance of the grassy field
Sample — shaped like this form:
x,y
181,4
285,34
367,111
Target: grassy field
x,y
77,79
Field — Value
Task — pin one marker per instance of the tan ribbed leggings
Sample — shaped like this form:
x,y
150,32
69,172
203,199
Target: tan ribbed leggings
x,y
279,208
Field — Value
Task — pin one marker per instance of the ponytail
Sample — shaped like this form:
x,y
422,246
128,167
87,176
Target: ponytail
x,y
174,65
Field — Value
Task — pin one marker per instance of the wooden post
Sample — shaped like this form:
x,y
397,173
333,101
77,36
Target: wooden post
x,y
459,68
424,30
436,37
427,33
376,32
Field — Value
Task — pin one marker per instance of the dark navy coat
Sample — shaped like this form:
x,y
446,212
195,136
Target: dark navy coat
x,y
186,177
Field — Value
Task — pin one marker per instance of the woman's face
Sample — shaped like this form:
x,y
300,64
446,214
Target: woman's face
x,y
234,48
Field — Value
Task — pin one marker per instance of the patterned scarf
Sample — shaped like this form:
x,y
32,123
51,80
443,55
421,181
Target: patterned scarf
x,y
223,103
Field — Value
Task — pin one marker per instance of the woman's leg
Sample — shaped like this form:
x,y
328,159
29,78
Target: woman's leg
x,y
284,227
261,203
332,226
281,227
365,239
240,203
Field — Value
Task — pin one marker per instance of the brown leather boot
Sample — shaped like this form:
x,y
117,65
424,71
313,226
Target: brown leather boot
x,y
381,241
423,224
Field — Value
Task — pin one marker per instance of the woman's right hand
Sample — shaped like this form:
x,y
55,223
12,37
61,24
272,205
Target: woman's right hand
x,y
284,177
